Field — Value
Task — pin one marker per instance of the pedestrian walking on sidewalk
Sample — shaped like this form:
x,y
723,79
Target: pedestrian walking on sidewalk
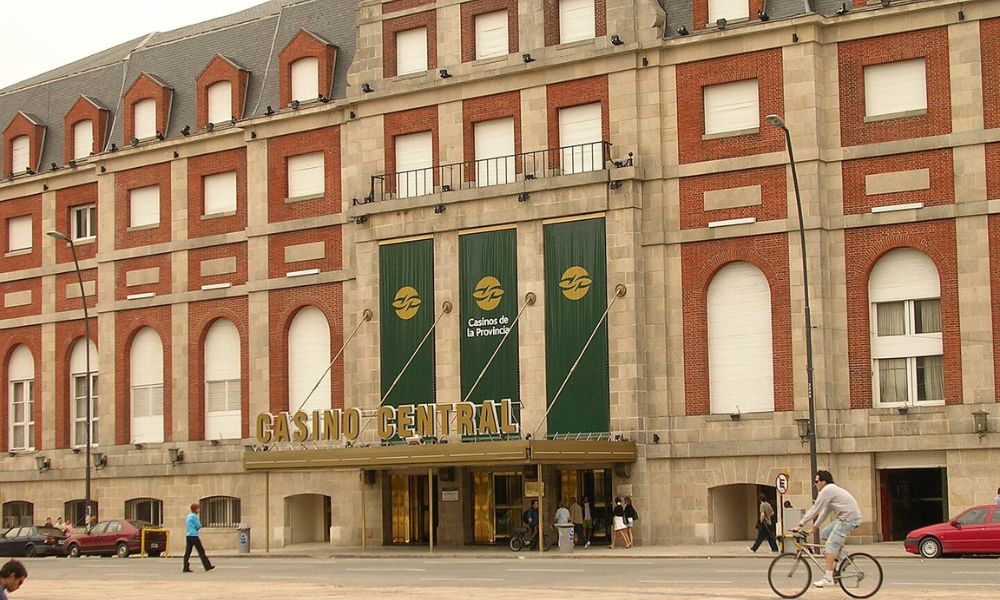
x,y
588,522
631,516
193,526
576,515
12,576
618,524
765,524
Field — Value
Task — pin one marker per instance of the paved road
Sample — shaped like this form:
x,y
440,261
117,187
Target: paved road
x,y
496,579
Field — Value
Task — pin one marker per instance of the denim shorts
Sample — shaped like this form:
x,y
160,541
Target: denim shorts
x,y
836,533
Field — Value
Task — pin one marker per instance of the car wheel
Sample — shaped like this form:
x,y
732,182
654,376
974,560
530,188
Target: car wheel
x,y
30,552
930,547
121,550
74,551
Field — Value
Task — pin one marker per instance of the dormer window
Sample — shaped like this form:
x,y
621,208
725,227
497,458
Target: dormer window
x,y
144,115
147,108
20,155
84,126
306,68
222,89
83,139
22,144
220,102
730,10
305,79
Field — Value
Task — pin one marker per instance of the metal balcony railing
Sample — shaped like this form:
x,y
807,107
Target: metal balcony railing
x,y
485,172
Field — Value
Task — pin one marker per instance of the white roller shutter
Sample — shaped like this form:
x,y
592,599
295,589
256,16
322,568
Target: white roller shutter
x,y
222,381
740,365
580,135
308,359
144,206
146,381
731,107
576,20
83,139
220,193
411,51
305,79
19,233
414,164
22,365
491,34
903,274
144,117
305,175
19,154
729,10
895,87
494,152
220,102
78,360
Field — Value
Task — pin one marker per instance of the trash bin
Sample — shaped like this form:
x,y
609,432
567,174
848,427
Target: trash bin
x,y
243,534
565,538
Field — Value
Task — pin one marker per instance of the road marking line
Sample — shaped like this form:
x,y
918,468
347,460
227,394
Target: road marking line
x,y
681,581
457,579
546,571
943,584
383,570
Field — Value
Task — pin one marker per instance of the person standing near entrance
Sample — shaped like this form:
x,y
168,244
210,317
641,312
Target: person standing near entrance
x,y
765,524
631,516
530,520
193,526
588,522
12,576
576,515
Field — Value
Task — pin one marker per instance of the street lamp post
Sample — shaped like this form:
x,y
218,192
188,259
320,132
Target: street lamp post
x,y
86,378
779,122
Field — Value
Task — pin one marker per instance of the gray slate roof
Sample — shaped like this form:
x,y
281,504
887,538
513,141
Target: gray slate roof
x,y
679,12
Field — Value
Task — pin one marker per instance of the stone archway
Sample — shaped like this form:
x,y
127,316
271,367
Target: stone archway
x,y
307,519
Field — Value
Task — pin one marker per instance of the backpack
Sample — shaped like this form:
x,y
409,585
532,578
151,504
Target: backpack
x,y
526,517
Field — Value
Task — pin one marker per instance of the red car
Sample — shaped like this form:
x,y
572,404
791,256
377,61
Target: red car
x,y
974,531
115,537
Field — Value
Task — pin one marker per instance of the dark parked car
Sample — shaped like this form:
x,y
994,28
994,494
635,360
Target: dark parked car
x,y
974,531
119,537
32,540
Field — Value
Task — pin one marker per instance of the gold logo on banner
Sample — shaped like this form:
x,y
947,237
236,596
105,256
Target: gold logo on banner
x,y
406,303
575,283
488,293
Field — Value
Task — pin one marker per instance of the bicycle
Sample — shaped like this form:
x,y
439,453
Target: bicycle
x,y
522,537
857,573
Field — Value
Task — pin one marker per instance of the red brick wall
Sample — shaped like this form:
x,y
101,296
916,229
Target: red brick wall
x,y
201,315
83,110
331,236
20,125
764,66
773,187
863,248
487,108
160,288
29,205
67,334
700,13
283,305
143,88
993,170
570,94
127,324
304,45
390,27
470,10
34,285
139,178
69,278
197,255
200,167
853,57
30,337
220,69
279,149
989,40
942,179
551,12
66,200
398,5
405,123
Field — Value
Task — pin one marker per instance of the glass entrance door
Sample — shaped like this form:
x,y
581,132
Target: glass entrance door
x,y
497,506
410,497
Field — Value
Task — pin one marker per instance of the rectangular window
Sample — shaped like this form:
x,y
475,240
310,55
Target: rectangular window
x,y
83,221
491,34
930,379
730,10
144,206
414,164
19,233
305,79
580,133
220,193
895,87
22,415
495,152
144,118
80,410
411,51
148,510
576,20
20,156
305,175
220,511
83,139
731,107
907,350
220,102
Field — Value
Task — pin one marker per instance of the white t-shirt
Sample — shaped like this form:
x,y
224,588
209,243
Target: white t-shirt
x,y
562,516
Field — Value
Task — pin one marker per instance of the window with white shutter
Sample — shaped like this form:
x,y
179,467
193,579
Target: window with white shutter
x,y
19,233
580,135
83,139
731,107
144,118
414,164
220,193
222,382
895,87
576,20
78,385
20,155
309,361
740,365
144,206
305,79
411,51
146,381
491,34
21,389
305,175
83,222
730,10
220,102
494,152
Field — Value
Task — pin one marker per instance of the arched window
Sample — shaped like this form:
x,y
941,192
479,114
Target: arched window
x,y
149,510
146,379
75,512
220,511
18,513
740,365
907,350
21,391
305,79
78,389
308,361
222,381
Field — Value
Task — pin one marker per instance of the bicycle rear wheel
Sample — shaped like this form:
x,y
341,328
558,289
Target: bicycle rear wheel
x,y
516,542
789,575
859,575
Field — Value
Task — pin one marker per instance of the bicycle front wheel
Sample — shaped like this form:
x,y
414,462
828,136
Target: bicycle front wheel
x,y
789,575
860,575
516,542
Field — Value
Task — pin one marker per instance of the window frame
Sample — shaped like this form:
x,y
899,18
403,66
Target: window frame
x,y
728,89
78,419
28,423
912,358
583,36
19,221
869,73
20,146
155,509
132,224
478,35
231,204
25,518
88,125
90,210
230,505
400,53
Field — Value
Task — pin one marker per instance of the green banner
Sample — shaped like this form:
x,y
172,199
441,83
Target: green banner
x,y
488,306
576,276
406,305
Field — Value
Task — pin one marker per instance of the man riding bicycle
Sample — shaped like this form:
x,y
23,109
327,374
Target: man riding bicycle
x,y
835,499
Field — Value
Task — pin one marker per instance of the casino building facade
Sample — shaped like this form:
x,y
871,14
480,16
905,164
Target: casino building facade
x,y
380,272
